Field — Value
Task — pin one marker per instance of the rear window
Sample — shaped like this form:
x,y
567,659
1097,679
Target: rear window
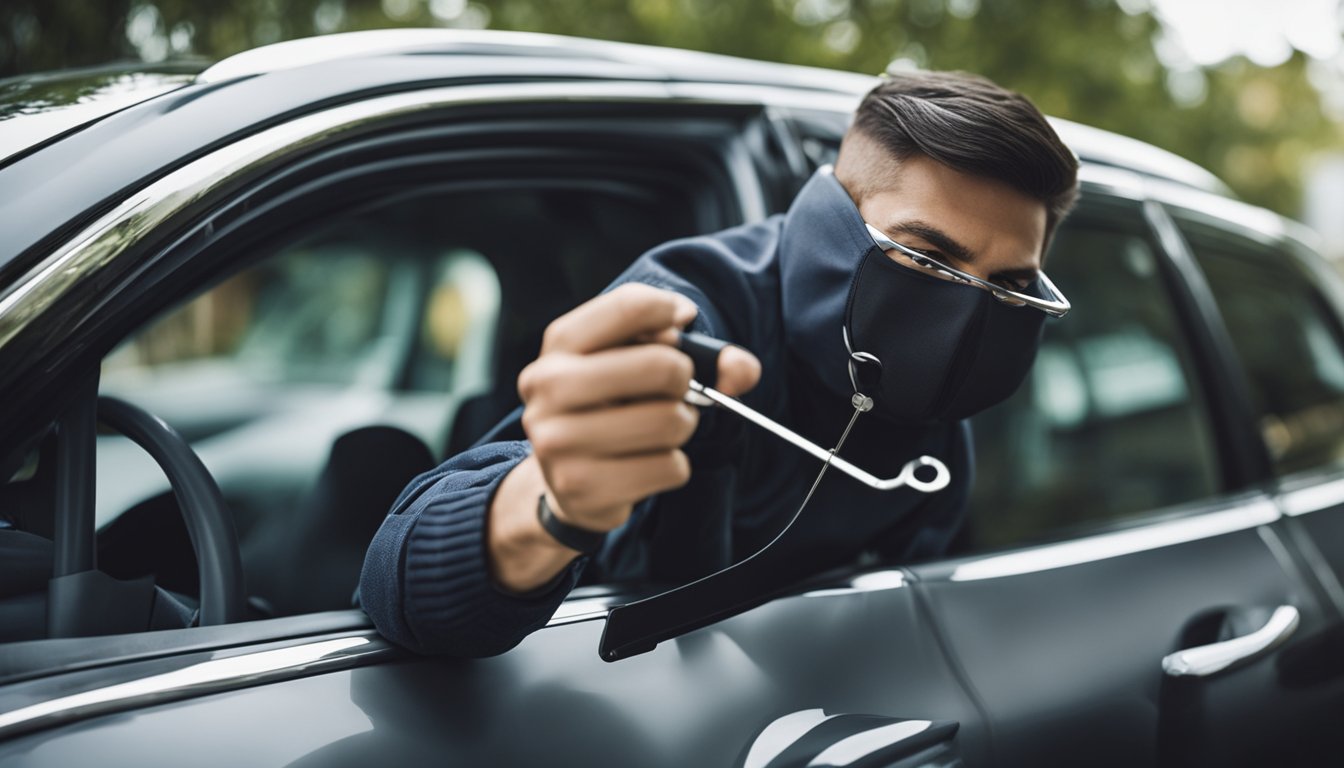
x,y
1289,342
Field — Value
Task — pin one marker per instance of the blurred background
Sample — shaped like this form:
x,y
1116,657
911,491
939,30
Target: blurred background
x,y
1251,89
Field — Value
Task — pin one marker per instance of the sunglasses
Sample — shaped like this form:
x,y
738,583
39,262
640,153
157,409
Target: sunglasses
x,y
1055,305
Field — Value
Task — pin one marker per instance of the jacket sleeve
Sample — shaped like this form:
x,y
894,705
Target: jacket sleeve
x,y
426,581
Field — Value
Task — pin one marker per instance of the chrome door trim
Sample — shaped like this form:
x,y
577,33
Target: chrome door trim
x,y
1206,660
584,609
595,608
1304,501
873,581
212,675
1104,546
779,97
1266,226
1111,181
98,244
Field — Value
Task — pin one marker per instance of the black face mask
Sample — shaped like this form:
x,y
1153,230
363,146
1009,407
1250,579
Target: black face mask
x,y
946,350
943,350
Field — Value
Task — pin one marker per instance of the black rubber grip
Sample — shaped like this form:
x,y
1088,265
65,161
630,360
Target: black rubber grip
x,y
704,353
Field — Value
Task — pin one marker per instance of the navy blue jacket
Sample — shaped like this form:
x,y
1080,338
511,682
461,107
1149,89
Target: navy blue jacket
x,y
778,288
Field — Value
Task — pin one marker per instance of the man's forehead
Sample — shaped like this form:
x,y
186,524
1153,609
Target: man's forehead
x,y
983,218
963,233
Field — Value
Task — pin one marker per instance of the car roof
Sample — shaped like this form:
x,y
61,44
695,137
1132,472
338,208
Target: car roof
x,y
70,177
35,109
1092,145
38,108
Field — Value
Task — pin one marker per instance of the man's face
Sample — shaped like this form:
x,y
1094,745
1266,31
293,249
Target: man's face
x,y
977,225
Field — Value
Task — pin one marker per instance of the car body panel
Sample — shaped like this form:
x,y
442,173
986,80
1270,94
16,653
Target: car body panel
x,y
699,700
1088,622
1317,506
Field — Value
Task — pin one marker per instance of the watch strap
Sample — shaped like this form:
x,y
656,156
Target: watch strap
x,y
572,536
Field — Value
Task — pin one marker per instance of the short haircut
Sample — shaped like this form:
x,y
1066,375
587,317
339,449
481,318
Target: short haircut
x,y
971,125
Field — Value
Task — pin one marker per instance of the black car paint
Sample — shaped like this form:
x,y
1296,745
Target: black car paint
x,y
933,647
698,700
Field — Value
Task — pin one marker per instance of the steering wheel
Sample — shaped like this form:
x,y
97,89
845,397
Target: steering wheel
x,y
209,524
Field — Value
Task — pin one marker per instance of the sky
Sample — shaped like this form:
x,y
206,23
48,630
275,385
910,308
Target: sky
x,y
1202,33
1265,31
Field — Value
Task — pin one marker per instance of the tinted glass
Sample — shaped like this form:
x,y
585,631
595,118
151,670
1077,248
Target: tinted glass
x,y
417,314
1110,423
334,311
1289,342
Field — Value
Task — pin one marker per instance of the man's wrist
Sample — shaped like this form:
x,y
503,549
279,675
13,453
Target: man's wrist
x,y
522,555
581,540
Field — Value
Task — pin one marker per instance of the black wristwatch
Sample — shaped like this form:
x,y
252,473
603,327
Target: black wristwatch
x,y
572,536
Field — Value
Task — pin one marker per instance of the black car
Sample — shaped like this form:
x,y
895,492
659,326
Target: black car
x,y
241,306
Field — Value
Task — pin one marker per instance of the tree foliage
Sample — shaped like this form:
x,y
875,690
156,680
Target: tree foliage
x,y
1087,60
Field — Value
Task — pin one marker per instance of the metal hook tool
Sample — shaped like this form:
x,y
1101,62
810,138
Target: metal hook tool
x,y
699,394
638,627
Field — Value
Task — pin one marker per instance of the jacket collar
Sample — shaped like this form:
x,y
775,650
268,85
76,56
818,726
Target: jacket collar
x,y
822,244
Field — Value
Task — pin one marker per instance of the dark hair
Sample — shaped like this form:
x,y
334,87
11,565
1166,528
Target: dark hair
x,y
968,123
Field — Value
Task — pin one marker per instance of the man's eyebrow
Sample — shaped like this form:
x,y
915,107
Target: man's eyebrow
x,y
935,237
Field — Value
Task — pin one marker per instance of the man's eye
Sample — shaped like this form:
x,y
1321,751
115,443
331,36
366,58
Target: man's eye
x,y
930,255
1018,284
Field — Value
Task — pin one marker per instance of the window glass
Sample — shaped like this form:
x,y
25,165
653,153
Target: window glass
x,y
1110,423
336,313
417,314
456,331
338,330
1288,340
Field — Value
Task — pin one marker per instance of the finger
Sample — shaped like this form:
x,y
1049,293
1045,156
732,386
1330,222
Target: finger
x,y
561,382
739,371
655,425
589,488
623,315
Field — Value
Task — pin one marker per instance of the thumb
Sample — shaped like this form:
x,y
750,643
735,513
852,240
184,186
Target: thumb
x,y
739,371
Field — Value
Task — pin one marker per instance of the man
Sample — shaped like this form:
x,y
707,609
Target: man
x,y
610,475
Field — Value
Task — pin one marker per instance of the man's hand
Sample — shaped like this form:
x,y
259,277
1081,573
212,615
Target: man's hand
x,y
603,410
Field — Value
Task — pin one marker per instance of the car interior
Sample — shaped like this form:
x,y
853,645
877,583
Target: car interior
x,y
347,339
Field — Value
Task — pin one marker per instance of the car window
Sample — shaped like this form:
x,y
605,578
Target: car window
x,y
1288,340
1110,423
324,312
353,324
344,311
416,314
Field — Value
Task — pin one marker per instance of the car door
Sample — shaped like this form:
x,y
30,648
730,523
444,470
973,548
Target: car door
x,y
1281,305
1109,533
740,693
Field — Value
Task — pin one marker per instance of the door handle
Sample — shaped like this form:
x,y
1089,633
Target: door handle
x,y
1206,660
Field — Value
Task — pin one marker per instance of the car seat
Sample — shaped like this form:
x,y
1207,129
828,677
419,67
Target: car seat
x,y
310,560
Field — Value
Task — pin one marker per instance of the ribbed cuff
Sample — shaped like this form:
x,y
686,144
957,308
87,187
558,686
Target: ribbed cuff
x,y
451,603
